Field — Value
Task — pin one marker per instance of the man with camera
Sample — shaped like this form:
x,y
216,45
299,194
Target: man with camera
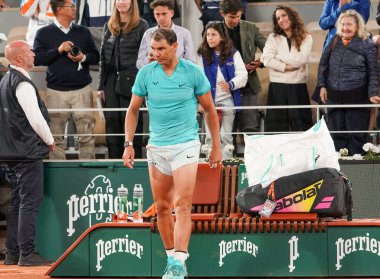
x,y
67,50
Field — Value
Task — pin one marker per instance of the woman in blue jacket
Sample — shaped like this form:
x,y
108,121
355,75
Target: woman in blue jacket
x,y
333,8
348,74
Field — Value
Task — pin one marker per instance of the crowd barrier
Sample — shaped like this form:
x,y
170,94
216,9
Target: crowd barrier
x,y
74,226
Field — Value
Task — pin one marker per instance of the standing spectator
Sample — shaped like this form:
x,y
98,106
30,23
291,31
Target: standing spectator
x,y
333,8
25,139
146,11
67,50
352,80
163,12
246,38
121,40
226,72
210,10
40,15
286,54
173,87
93,13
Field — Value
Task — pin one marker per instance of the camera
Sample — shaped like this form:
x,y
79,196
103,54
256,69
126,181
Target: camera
x,y
75,51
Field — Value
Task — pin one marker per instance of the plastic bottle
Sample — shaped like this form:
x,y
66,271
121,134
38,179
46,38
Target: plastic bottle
x,y
138,194
122,194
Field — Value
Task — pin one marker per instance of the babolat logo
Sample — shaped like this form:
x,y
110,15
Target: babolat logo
x,y
347,246
98,201
239,245
117,245
300,201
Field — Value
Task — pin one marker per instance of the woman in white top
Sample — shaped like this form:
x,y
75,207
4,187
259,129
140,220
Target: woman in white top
x,y
226,72
286,54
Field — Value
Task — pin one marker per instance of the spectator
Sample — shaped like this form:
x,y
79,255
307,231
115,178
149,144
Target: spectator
x,y
94,13
226,73
67,50
333,8
25,139
121,40
3,4
173,149
39,13
246,38
286,54
146,11
352,80
210,10
163,12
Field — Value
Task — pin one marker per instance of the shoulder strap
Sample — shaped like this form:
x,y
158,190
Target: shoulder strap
x,y
335,40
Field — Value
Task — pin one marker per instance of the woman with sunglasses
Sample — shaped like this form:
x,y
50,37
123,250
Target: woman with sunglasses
x,y
286,54
226,72
348,74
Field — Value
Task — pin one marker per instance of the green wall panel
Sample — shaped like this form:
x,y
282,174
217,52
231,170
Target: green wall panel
x,y
78,195
123,252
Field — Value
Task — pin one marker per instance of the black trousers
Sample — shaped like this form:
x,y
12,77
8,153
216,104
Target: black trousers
x,y
286,120
26,179
349,119
115,122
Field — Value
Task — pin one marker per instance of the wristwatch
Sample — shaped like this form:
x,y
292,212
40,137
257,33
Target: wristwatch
x,y
128,143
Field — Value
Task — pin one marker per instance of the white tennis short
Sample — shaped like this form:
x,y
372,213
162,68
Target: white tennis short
x,y
171,157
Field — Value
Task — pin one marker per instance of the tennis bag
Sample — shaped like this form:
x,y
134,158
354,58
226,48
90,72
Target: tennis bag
x,y
323,191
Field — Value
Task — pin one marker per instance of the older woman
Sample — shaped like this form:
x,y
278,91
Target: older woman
x,y
332,10
118,52
348,74
286,54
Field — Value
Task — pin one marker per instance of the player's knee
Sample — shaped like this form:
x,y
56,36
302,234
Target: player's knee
x,y
163,208
182,206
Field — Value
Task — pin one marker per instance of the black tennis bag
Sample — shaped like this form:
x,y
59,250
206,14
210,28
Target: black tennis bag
x,y
324,191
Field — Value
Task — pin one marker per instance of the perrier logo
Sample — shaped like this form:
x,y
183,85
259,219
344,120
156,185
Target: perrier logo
x,y
98,201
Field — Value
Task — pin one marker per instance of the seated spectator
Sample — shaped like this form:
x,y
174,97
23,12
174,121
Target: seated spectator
x,y
226,73
163,12
67,49
333,8
286,54
121,40
352,80
39,13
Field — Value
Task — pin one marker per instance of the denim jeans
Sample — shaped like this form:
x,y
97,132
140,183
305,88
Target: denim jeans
x,y
26,181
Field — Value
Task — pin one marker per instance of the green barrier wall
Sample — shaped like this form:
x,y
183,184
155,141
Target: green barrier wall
x,y
80,194
136,252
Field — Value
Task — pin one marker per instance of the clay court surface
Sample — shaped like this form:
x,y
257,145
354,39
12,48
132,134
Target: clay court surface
x,y
16,272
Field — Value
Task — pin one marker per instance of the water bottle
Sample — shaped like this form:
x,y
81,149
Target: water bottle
x,y
122,194
138,194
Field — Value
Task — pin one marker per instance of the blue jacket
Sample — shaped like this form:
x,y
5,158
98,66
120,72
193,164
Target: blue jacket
x,y
331,12
350,67
228,71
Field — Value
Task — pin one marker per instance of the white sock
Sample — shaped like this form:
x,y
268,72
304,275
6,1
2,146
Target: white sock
x,y
181,256
170,252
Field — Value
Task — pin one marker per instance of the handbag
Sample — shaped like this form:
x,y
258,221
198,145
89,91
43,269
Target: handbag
x,y
125,79
124,82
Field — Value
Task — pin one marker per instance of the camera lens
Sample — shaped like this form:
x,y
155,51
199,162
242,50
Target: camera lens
x,y
75,51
